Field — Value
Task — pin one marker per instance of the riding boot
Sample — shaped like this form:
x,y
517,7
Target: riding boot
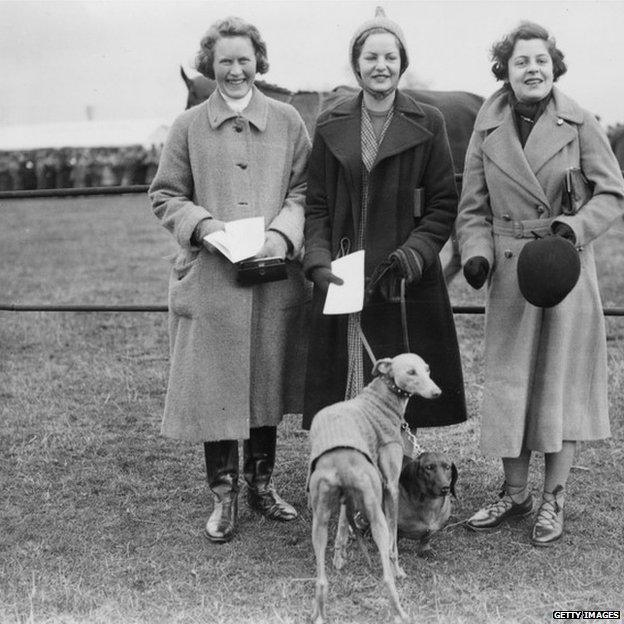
x,y
259,459
222,474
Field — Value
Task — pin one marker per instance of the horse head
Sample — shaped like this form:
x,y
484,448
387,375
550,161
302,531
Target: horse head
x,y
199,88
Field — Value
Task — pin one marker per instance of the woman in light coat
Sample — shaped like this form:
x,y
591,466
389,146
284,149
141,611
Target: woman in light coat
x,y
546,369
237,352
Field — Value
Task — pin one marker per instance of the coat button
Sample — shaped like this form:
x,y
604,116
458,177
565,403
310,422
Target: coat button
x,y
238,128
507,217
540,209
508,253
560,122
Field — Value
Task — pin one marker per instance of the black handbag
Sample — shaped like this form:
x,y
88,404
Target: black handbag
x,y
261,270
577,191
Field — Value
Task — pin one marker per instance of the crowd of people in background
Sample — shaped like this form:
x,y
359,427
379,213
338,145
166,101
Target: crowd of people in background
x,y
78,167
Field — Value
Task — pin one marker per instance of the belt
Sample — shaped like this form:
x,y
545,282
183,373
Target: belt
x,y
522,229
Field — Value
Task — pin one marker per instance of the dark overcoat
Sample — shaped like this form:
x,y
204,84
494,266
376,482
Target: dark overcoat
x,y
412,201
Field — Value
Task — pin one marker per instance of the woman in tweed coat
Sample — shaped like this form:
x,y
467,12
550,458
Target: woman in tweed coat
x,y
381,179
545,369
237,352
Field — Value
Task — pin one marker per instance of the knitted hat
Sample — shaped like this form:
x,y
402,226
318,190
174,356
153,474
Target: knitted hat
x,y
548,269
379,21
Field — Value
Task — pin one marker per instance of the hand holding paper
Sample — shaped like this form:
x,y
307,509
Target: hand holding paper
x,y
349,297
241,239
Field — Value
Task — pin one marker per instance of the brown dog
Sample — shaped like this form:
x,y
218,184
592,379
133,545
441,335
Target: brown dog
x,y
425,487
356,457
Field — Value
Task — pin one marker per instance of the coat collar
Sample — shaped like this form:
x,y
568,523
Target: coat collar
x,y
256,112
547,138
341,130
496,109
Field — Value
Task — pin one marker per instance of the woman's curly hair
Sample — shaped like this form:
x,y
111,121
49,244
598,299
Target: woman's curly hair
x,y
230,27
502,50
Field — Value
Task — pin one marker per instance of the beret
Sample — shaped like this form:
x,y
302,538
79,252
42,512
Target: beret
x,y
548,269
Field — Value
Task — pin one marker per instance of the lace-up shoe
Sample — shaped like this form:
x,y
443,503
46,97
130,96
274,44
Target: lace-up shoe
x,y
492,515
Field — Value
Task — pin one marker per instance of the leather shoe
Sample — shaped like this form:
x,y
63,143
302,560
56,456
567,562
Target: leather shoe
x,y
491,516
548,527
221,524
263,498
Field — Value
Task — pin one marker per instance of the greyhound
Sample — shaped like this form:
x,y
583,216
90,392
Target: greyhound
x,y
356,457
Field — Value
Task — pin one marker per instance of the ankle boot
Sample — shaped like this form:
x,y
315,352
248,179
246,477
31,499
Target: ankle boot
x,y
548,526
222,473
259,459
222,521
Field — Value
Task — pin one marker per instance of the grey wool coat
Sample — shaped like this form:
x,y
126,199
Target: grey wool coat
x,y
545,369
237,352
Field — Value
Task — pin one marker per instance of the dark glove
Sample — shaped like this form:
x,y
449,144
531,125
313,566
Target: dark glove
x,y
565,231
408,264
383,280
323,277
476,271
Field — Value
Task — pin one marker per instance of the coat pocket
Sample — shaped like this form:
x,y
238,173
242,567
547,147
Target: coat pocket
x,y
183,281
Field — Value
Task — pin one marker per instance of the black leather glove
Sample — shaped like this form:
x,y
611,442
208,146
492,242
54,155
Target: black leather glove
x,y
565,231
323,277
476,271
408,264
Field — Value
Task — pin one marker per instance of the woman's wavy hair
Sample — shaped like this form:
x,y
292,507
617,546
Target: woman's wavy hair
x,y
502,50
230,27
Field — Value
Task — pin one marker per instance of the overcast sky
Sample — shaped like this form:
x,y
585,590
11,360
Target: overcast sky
x,y
122,58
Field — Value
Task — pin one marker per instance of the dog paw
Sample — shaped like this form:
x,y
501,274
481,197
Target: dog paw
x,y
338,560
400,572
426,552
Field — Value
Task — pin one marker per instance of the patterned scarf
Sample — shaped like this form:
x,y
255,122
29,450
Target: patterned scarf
x,y
370,147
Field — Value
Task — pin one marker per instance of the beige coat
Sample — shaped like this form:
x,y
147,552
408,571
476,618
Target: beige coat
x,y
545,369
237,353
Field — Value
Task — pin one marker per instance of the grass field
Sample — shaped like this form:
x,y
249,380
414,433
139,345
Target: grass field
x,y
101,519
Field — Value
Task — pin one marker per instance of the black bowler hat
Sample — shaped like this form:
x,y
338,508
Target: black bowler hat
x,y
548,269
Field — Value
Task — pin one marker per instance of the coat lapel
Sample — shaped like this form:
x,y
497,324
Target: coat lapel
x,y
502,145
551,134
404,131
256,113
342,135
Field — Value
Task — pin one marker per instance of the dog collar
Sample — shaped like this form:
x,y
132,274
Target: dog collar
x,y
404,394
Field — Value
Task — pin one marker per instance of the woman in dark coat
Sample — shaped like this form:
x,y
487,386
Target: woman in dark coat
x,y
380,178
545,367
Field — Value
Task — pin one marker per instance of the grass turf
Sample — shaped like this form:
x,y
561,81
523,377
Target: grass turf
x,y
102,518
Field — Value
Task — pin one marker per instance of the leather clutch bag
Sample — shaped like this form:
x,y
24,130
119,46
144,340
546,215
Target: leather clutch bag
x,y
577,191
261,270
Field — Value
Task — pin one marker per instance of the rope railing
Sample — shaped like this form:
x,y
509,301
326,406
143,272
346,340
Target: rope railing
x,y
74,192
142,188
19,307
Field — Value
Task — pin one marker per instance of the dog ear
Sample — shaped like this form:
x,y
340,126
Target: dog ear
x,y
454,475
410,477
382,367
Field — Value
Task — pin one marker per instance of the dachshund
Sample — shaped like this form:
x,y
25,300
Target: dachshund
x,y
356,457
425,486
